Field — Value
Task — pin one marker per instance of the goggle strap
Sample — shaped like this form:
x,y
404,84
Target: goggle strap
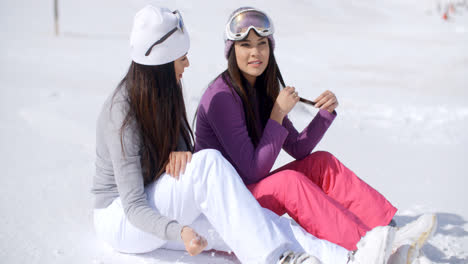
x,y
180,25
161,40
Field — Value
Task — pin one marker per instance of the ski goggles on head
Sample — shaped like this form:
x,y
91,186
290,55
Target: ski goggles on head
x,y
179,26
241,23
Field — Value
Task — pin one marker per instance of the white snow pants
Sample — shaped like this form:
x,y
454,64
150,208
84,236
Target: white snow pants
x,y
211,198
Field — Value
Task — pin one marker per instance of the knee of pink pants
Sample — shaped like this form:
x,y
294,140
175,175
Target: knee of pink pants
x,y
277,190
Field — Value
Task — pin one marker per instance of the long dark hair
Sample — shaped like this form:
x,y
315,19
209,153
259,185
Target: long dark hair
x,y
157,108
267,88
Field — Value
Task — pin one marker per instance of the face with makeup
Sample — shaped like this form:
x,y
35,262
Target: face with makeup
x,y
252,55
179,66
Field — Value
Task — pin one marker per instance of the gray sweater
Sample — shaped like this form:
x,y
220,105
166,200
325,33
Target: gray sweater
x,y
119,175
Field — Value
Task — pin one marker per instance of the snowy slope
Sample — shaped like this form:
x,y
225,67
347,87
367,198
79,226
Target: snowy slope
x,y
399,70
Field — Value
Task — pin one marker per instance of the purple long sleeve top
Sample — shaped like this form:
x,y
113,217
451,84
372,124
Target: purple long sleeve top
x,y
221,125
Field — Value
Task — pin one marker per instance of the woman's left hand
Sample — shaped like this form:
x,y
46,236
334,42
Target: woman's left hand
x,y
327,100
178,162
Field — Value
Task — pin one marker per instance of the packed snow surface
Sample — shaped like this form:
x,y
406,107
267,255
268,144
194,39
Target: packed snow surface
x,y
399,69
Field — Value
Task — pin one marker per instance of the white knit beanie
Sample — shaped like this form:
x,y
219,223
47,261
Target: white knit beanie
x,y
150,25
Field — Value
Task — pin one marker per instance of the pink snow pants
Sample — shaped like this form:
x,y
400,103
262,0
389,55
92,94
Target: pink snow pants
x,y
325,198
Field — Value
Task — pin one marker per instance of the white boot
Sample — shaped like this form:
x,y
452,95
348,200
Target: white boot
x,y
290,257
416,232
410,238
375,247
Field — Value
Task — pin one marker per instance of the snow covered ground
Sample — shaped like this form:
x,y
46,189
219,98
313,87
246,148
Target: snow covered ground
x,y
398,69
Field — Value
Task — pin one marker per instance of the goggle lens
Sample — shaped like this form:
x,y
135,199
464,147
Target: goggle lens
x,y
180,24
243,22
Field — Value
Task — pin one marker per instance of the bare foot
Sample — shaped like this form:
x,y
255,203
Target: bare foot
x,y
194,243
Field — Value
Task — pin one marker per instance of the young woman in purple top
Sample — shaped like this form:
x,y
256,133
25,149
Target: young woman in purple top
x,y
243,114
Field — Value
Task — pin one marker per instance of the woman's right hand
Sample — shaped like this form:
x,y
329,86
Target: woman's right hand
x,y
178,162
194,243
285,102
